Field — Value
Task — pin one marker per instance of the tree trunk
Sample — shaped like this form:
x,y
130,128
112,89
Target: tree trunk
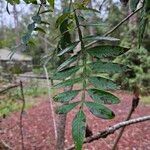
x,y
61,124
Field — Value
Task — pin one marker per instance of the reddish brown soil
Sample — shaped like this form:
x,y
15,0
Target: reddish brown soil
x,y
39,134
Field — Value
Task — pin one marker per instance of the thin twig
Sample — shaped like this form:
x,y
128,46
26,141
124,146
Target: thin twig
x,y
8,88
5,145
117,26
21,115
50,101
112,129
124,20
135,102
101,5
36,77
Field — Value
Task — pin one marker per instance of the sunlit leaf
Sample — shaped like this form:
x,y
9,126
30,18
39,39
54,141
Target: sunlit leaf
x,y
144,20
52,3
78,129
99,110
103,96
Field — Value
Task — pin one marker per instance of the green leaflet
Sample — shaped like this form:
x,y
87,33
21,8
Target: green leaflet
x,y
40,30
103,96
68,48
78,129
64,109
12,2
99,110
30,1
67,62
107,67
31,27
46,11
68,82
102,83
65,73
61,19
99,38
26,38
133,4
36,19
88,9
106,51
51,2
66,96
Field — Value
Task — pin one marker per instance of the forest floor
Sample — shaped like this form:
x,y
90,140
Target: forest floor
x,y
38,128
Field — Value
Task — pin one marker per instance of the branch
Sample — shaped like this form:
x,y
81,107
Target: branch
x,y
8,88
135,102
124,20
21,115
112,129
50,101
36,77
5,145
117,26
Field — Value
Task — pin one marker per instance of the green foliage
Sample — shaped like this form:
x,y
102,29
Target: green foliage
x,y
78,70
145,13
103,96
99,110
51,2
139,62
68,48
106,51
107,67
68,62
102,83
133,4
78,129
66,96
99,38
66,108
63,74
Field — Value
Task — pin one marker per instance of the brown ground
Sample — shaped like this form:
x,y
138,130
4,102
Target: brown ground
x,y
39,134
